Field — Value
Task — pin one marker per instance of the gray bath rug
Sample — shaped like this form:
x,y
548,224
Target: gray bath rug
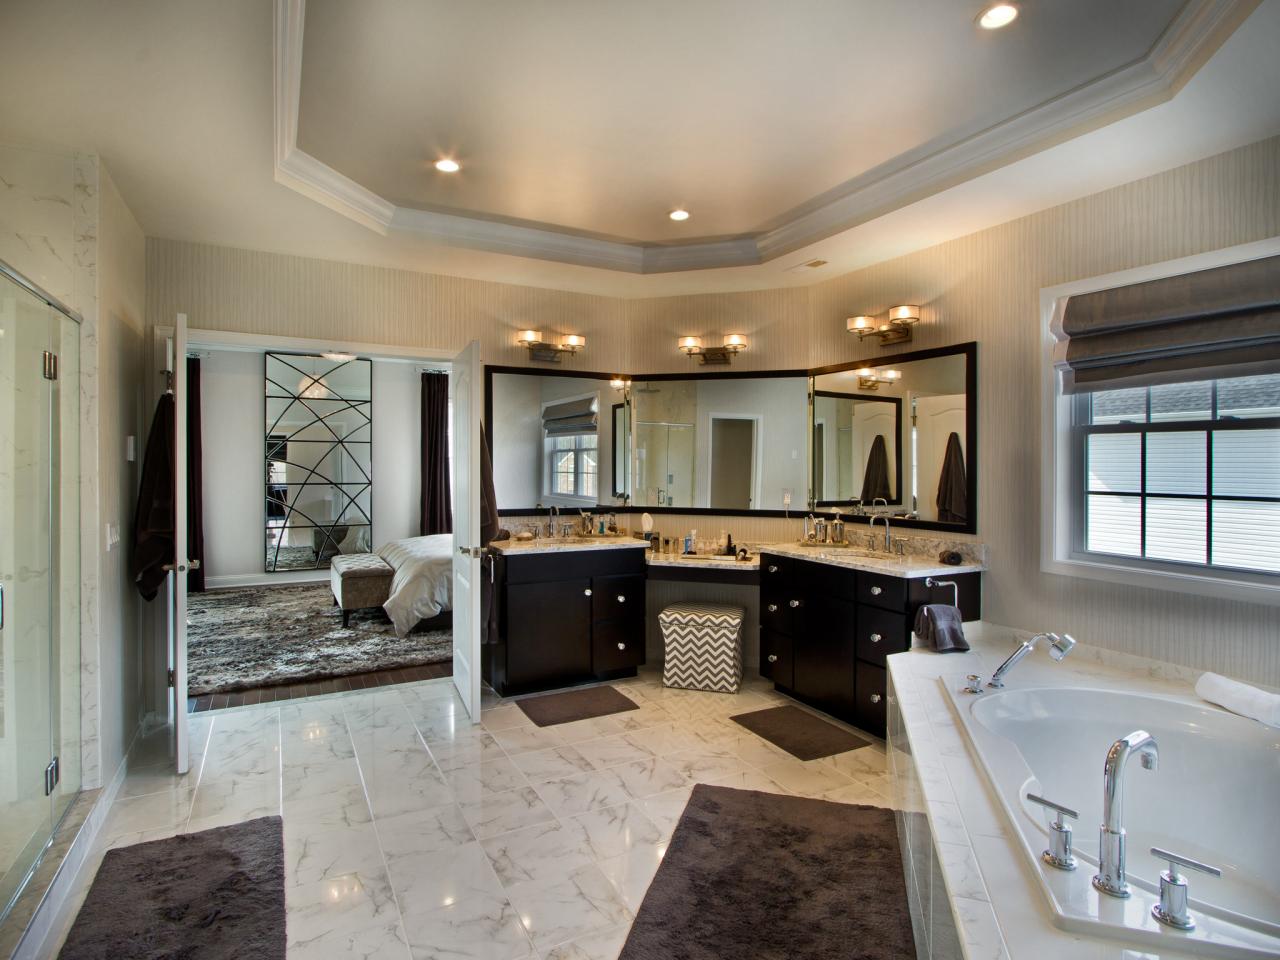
x,y
799,732
550,709
770,877
199,896
264,636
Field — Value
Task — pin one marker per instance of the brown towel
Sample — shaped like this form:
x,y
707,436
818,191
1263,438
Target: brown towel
x,y
875,480
953,484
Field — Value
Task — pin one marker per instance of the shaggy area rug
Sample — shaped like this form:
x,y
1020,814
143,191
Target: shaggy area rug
x,y
213,895
265,636
769,877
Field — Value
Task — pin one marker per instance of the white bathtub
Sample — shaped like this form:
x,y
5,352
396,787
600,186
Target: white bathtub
x,y
1214,797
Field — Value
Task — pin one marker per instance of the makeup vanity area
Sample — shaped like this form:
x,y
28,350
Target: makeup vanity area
x,y
885,445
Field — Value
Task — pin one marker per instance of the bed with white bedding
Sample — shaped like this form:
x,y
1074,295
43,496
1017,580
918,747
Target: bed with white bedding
x,y
423,583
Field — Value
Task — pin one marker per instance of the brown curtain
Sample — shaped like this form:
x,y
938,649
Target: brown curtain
x,y
437,517
195,480
1223,322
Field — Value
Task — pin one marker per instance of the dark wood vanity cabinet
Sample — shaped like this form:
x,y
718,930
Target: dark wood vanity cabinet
x,y
826,630
566,618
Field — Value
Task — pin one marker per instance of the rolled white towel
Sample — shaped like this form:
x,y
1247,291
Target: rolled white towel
x,y
1240,698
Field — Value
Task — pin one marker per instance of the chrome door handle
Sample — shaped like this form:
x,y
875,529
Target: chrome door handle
x,y
773,658
773,608
876,638
587,592
876,591
876,698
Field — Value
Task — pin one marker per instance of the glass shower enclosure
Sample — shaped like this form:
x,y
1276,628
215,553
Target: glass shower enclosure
x,y
39,574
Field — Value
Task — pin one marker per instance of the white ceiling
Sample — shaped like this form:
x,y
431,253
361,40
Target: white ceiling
x,y
176,95
600,116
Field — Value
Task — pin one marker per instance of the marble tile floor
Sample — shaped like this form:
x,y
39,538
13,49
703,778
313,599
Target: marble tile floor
x,y
411,833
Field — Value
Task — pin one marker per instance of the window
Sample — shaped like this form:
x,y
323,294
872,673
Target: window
x,y
573,465
1181,475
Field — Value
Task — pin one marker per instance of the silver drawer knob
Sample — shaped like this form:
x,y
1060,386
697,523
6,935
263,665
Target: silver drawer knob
x,y
875,698
772,568
876,591
773,658
773,608
876,638
622,646
795,603
586,593
621,598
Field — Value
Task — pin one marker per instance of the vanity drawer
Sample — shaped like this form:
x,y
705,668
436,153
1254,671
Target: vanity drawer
x,y
776,660
569,564
617,597
871,699
880,633
888,593
775,572
616,645
780,612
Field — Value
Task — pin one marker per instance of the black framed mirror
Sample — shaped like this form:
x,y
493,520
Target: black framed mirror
x,y
318,466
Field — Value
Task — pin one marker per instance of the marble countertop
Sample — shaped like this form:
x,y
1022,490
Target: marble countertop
x,y
544,545
998,910
705,563
909,567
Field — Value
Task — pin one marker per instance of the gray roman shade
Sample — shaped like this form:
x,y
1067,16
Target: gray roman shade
x,y
1223,322
570,417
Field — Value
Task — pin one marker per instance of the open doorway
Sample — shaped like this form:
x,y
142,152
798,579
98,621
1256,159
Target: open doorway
x,y
733,462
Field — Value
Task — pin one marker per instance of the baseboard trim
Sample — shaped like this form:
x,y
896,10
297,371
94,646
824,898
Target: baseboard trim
x,y
266,579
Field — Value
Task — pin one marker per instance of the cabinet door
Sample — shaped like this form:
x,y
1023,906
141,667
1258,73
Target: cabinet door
x,y
871,706
617,597
825,653
548,633
776,661
616,645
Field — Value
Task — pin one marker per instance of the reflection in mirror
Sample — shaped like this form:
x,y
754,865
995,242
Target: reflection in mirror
x,y
722,443
622,451
919,408
553,441
319,462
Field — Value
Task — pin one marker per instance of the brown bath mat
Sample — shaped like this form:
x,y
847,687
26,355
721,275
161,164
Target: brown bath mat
x,y
585,704
770,877
213,895
799,733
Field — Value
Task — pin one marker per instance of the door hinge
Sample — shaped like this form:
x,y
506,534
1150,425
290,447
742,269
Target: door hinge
x,y
169,676
50,366
51,776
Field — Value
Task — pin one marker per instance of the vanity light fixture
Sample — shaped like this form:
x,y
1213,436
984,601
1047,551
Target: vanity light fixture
x,y
998,15
732,345
546,351
619,383
869,378
897,329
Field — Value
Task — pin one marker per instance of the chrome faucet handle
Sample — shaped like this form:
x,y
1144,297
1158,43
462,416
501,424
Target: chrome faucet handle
x,y
1172,908
1059,853
974,685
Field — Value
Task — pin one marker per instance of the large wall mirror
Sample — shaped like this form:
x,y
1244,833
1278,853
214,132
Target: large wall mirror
x,y
721,443
897,432
319,459
556,439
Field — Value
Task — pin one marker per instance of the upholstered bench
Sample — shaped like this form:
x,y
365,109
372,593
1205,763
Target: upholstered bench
x,y
359,580
702,646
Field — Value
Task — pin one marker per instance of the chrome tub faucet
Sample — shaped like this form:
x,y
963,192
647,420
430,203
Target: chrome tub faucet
x,y
1110,878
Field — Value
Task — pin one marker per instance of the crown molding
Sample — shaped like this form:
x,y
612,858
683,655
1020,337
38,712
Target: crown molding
x,y
1198,30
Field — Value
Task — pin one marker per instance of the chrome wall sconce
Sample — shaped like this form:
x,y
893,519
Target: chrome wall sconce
x,y
548,351
732,345
869,378
897,329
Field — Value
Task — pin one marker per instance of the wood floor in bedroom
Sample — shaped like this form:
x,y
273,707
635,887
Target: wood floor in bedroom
x,y
357,681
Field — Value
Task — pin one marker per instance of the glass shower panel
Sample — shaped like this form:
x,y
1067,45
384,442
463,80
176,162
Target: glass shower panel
x,y
64,709
27,581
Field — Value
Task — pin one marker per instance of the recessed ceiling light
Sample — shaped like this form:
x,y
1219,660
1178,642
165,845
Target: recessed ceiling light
x,y
998,15
680,214
447,165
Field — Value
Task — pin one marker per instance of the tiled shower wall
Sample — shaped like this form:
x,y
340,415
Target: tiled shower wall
x,y
982,287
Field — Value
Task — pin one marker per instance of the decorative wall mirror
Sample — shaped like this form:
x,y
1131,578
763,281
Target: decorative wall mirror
x,y
554,439
319,459
898,431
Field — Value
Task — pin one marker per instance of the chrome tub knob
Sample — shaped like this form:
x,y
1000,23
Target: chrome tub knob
x,y
1059,853
1172,908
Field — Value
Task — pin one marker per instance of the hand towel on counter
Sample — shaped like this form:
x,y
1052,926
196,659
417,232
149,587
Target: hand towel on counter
x,y
1240,698
941,626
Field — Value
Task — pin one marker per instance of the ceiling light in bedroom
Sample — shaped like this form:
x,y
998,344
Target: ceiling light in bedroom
x,y
448,165
997,15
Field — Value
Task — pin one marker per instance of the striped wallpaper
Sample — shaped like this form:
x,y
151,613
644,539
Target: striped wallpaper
x,y
982,287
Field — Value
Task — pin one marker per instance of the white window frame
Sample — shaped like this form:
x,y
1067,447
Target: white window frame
x,y
549,452
1061,504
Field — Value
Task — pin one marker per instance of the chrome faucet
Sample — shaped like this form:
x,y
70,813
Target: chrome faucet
x,y
1060,645
888,538
553,514
1110,878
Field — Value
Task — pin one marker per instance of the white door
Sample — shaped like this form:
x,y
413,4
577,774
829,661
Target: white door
x,y
466,399
936,419
177,592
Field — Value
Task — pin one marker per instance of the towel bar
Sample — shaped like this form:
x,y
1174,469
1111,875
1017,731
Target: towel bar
x,y
955,590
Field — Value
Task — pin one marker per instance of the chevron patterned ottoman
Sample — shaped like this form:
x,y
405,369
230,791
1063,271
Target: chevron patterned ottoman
x,y
703,646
